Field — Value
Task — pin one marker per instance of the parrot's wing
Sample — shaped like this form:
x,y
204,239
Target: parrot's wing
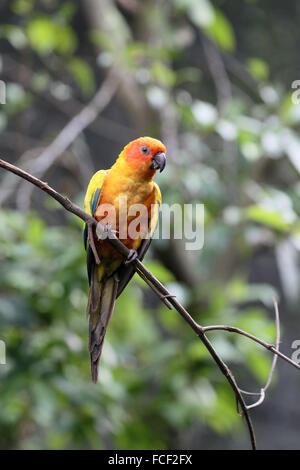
x,y
126,272
91,202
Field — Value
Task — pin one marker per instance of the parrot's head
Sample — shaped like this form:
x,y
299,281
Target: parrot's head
x,y
145,155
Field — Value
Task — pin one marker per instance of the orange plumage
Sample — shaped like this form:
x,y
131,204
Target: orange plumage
x,y
130,179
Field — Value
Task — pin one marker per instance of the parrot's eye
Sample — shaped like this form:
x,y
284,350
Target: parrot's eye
x,y
145,150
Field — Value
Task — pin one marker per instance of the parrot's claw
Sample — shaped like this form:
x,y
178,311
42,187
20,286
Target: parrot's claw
x,y
92,242
132,255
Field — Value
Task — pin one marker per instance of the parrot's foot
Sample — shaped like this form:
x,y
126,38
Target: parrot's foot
x,y
132,255
92,242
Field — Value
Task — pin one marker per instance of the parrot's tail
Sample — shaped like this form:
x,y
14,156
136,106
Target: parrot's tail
x,y
101,303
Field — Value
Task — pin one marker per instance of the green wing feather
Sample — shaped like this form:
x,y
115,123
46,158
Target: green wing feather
x,y
91,202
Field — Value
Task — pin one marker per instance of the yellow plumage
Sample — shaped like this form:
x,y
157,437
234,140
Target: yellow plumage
x,y
131,176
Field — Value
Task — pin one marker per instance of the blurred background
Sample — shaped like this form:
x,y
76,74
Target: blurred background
x,y
213,80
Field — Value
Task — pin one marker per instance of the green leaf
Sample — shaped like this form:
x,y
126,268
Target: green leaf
x,y
163,74
259,68
22,7
188,74
42,35
259,363
47,36
159,271
83,75
68,9
222,32
268,217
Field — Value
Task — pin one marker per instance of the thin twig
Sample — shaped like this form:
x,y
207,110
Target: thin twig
x,y
277,323
68,134
217,71
262,393
270,347
103,126
200,331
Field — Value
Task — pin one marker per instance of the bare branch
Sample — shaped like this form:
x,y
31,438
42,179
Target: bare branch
x,y
217,71
64,201
262,393
68,134
270,347
277,322
130,5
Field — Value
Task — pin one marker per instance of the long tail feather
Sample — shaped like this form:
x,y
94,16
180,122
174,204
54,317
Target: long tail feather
x,y
101,303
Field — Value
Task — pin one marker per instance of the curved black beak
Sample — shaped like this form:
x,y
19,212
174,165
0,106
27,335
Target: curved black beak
x,y
158,161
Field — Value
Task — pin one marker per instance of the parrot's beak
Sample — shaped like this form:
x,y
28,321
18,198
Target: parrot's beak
x,y
158,161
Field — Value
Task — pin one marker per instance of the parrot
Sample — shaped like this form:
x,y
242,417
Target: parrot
x,y
130,177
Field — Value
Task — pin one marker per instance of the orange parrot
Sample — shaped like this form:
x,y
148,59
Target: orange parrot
x,y
130,179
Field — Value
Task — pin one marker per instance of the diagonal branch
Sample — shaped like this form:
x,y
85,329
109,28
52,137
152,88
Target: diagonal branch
x,y
162,293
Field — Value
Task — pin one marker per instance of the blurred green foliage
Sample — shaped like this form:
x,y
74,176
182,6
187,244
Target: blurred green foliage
x,y
234,147
155,375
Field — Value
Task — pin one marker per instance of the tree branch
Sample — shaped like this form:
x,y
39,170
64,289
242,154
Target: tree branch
x,y
262,393
270,347
69,133
162,293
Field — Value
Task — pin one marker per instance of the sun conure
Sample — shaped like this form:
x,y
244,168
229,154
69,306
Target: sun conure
x,y
130,179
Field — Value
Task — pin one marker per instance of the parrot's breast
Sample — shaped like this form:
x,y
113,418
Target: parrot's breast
x,y
119,207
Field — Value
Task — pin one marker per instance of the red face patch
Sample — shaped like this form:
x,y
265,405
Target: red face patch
x,y
143,149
